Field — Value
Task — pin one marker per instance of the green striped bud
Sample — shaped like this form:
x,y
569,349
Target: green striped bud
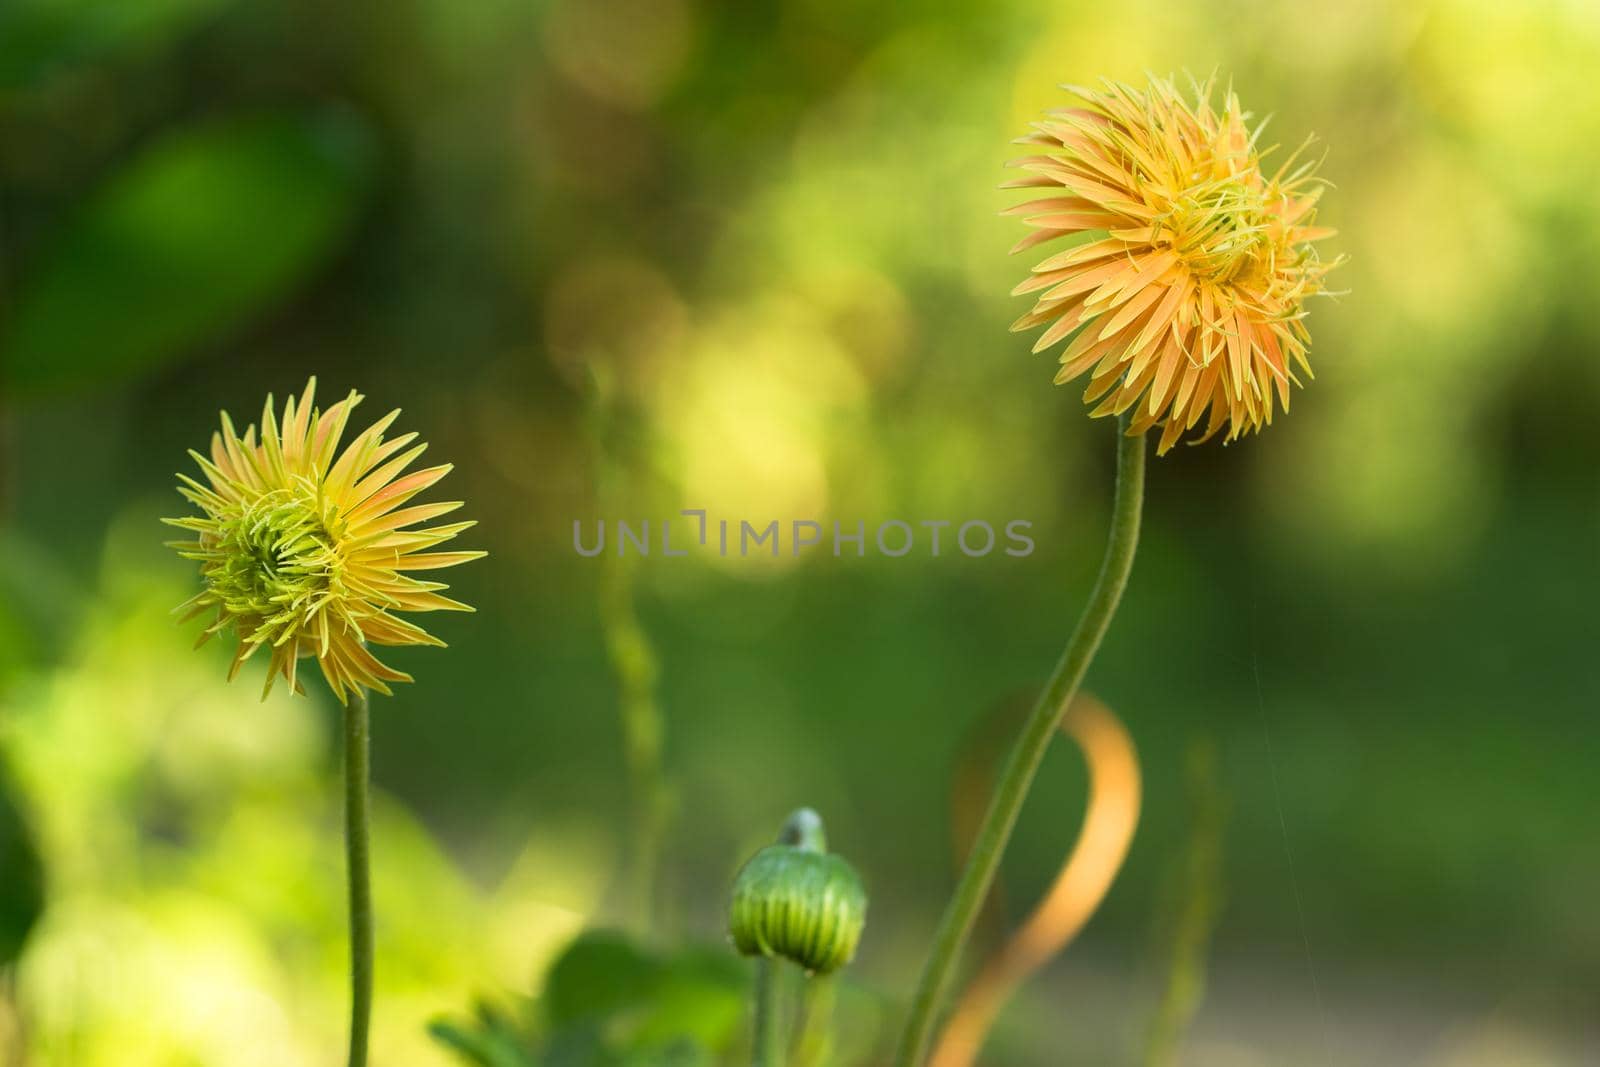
x,y
798,903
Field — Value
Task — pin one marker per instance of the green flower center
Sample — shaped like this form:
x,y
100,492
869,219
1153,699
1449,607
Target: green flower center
x,y
275,563
1220,228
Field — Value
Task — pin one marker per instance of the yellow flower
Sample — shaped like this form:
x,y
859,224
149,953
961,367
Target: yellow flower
x,y
306,554
1185,298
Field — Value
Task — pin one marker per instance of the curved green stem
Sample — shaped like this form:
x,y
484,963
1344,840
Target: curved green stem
x,y
767,1047
1023,763
357,773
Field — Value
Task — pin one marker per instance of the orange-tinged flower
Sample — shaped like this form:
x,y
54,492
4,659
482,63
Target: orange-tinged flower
x,y
1184,298
306,554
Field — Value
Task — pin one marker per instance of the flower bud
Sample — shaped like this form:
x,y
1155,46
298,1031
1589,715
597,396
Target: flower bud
x,y
798,904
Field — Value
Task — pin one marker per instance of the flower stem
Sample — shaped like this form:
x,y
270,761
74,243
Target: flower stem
x,y
1023,763
357,774
767,1046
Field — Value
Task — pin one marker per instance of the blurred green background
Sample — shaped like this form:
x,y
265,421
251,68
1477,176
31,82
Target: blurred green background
x,y
766,236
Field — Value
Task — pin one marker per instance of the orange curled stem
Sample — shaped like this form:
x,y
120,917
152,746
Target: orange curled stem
x,y
1091,867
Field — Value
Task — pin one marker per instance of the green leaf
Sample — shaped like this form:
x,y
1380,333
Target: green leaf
x,y
21,878
577,1046
481,1048
601,974
680,1053
699,999
206,228
654,1009
609,1003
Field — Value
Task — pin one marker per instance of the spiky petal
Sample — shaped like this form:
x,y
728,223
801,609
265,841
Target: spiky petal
x,y
308,550
1184,299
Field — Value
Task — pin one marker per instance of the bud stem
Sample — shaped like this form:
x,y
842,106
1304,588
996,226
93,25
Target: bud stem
x,y
802,829
767,1050
357,762
1025,758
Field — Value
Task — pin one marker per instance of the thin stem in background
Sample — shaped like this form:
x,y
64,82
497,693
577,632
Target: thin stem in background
x,y
633,660
1023,763
1195,905
632,655
814,1033
357,777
